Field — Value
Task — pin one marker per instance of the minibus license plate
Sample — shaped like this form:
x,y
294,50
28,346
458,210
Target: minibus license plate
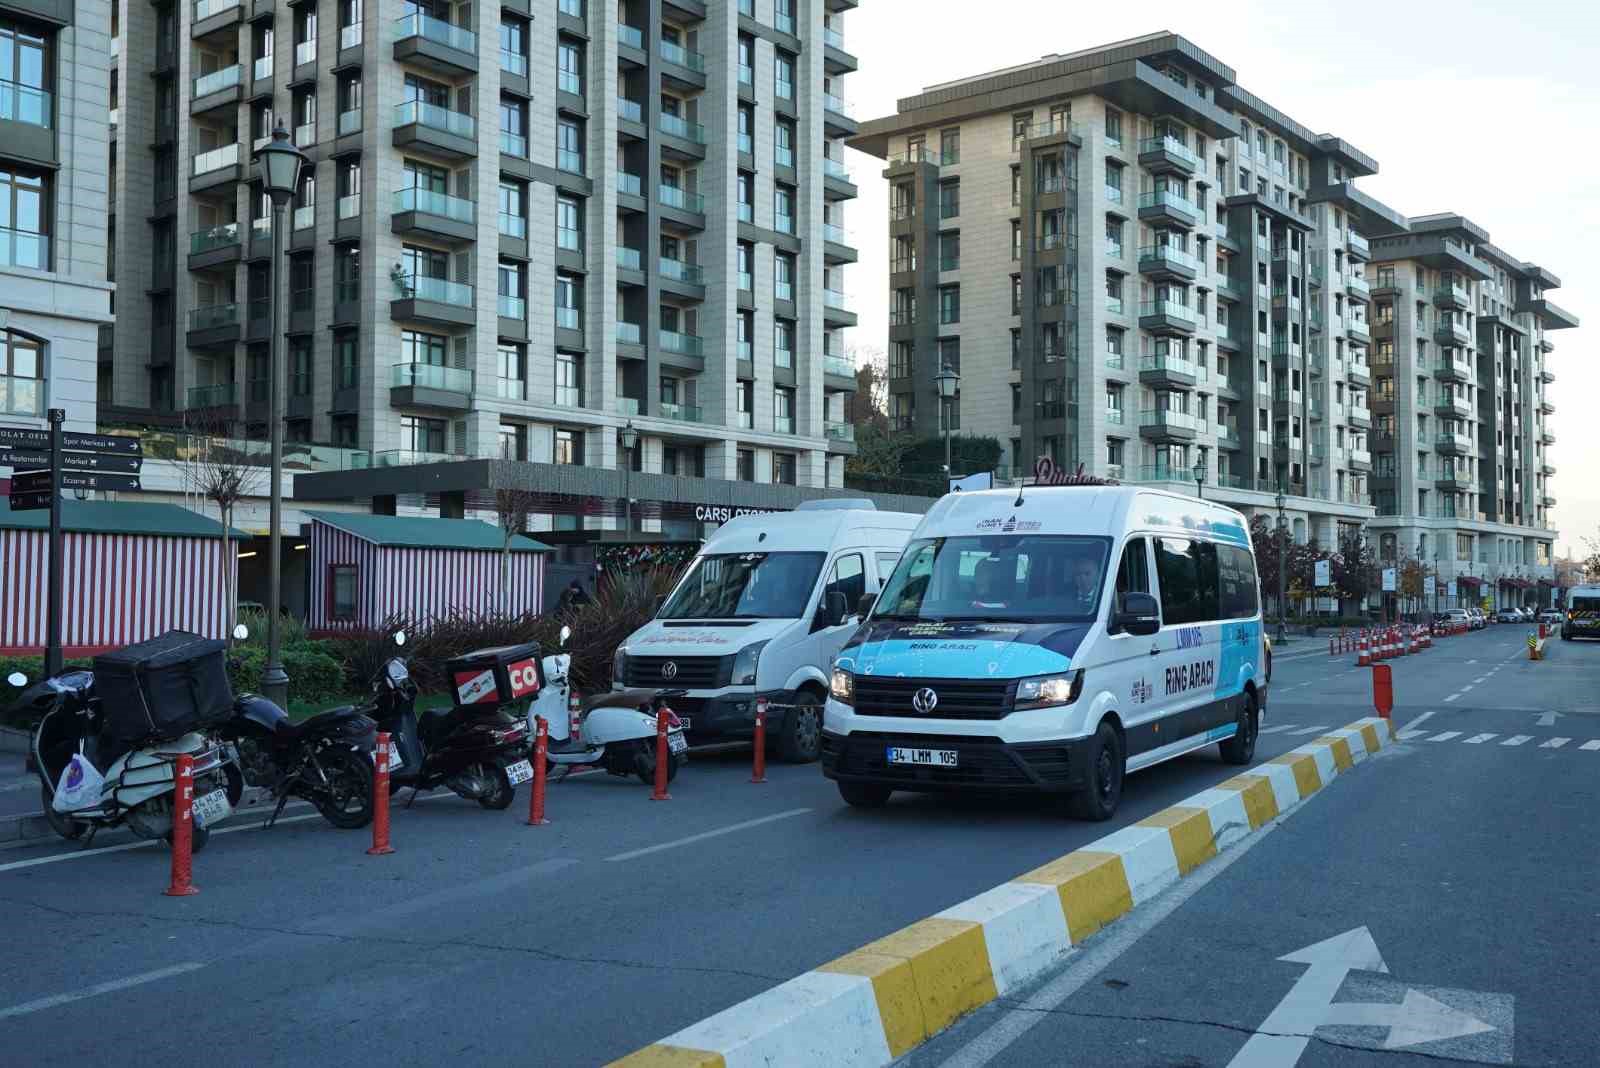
x,y
938,758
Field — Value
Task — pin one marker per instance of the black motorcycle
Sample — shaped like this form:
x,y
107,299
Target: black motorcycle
x,y
326,760
479,752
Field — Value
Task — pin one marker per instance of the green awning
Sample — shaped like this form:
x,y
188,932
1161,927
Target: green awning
x,y
118,517
424,532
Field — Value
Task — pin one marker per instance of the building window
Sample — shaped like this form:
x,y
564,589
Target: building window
x,y
950,146
783,276
783,343
783,208
783,75
24,229
745,465
950,250
419,348
783,468
343,591
783,411
949,200
783,139
513,209
569,60
513,372
569,224
949,304
419,435
21,375
569,380
24,67
569,310
745,402
567,447
1113,127
513,441
569,143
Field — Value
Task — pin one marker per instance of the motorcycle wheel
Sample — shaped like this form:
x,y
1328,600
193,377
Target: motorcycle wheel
x,y
348,802
502,794
644,762
65,826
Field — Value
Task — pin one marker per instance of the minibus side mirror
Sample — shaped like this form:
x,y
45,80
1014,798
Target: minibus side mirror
x,y
864,605
833,610
1137,614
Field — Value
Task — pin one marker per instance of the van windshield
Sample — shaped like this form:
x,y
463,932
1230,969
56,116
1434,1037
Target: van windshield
x,y
1022,578
745,586
1586,604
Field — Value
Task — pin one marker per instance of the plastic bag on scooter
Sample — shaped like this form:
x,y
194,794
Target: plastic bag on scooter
x,y
80,785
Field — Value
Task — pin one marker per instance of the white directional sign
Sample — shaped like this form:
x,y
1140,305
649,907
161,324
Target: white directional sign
x,y
1415,1019
1324,573
1389,577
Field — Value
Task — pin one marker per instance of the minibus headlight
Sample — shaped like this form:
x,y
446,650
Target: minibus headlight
x,y
843,687
744,664
1042,691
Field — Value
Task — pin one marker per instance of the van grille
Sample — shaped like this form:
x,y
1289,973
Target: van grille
x,y
692,672
958,698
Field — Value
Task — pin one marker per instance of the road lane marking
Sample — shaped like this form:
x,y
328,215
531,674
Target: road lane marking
x,y
1275,729
1406,736
731,828
1518,739
1480,681
1474,661
1452,697
1445,736
99,988
1591,745
1310,730
1479,739
1555,743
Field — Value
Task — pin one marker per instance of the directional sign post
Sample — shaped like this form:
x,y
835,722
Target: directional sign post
x,y
39,481
52,649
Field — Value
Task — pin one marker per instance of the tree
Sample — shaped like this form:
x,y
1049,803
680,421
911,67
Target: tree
x,y
869,404
224,472
1591,562
1355,568
511,507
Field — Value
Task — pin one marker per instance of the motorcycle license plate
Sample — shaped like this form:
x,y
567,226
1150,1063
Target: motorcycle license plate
x,y
937,758
676,743
208,808
519,772
396,761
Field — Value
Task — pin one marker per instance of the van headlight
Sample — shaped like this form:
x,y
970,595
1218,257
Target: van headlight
x,y
843,687
619,666
744,664
1043,691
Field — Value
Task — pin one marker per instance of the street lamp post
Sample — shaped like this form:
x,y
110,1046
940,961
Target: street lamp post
x,y
1200,474
1283,563
278,164
630,441
948,382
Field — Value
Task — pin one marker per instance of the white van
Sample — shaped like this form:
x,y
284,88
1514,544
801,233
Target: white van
x,y
1052,640
1583,613
761,612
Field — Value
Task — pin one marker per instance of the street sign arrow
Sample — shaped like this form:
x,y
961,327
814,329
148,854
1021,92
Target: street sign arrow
x,y
29,502
1417,1019
39,481
1548,719
29,438
39,459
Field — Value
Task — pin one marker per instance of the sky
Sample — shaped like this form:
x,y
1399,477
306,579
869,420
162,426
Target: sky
x,y
1487,111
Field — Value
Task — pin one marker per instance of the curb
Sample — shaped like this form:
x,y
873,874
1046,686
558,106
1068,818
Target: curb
x,y
23,828
881,1001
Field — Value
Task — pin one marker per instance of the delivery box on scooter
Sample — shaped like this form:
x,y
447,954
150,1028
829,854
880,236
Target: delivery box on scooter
x,y
496,676
164,687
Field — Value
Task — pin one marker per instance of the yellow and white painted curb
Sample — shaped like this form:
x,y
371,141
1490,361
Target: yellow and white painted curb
x,y
888,997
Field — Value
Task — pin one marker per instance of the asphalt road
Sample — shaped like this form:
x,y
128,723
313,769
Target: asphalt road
x,y
626,920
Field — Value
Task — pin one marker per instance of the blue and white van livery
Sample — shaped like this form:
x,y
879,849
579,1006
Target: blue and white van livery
x,y
1051,640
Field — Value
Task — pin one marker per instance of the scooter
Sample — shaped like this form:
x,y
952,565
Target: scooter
x,y
616,731
138,787
327,759
479,754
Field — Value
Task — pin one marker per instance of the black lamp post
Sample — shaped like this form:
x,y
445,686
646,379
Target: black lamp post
x,y
278,164
1283,565
1200,474
630,441
948,382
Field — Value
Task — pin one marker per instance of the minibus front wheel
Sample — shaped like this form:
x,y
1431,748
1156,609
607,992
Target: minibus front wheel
x,y
1103,777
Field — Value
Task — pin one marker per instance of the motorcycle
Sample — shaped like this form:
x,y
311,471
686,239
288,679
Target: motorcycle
x,y
478,753
138,786
326,760
616,731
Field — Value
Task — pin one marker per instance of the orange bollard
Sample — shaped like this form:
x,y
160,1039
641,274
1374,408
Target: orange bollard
x,y
541,749
182,829
1382,690
1363,654
380,801
663,755
758,771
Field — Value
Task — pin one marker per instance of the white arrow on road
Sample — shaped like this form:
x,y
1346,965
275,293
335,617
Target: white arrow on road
x,y
1548,719
1284,1035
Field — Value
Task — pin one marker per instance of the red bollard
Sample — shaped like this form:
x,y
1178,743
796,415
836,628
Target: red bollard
x,y
541,750
182,828
1382,690
380,801
663,756
759,771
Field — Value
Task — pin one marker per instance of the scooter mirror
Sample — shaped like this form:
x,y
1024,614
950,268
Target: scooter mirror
x,y
241,632
566,632
399,637
17,678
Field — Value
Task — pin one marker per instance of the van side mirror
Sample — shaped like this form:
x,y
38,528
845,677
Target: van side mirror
x,y
836,608
1137,613
865,604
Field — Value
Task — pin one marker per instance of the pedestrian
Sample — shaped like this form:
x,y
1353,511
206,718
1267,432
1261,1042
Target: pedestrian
x,y
577,596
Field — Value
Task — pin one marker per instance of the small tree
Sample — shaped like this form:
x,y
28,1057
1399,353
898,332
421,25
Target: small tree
x,y
512,507
224,472
869,404
1355,568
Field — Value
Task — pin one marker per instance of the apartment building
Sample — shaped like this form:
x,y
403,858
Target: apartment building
x,y
1139,266
522,227
54,76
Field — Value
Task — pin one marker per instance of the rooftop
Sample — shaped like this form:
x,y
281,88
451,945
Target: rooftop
x,y
425,532
118,517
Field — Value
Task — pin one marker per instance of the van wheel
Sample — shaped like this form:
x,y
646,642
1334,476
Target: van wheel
x,y
1241,748
864,794
1099,797
800,739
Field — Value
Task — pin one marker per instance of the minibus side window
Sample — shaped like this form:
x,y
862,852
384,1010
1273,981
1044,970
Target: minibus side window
x,y
1236,569
886,562
1187,569
1133,574
849,578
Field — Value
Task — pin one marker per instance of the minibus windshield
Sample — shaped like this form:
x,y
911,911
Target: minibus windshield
x,y
745,586
999,578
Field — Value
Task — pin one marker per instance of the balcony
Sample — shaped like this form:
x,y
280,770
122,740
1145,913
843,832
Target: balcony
x,y
1356,330
672,196
1547,438
1228,437
1170,207
1452,407
690,137
838,247
682,344
435,130
215,247
836,120
1453,443
1166,316
1450,482
1356,285
426,385
1547,469
683,413
629,333
1546,406
834,310
835,59
1169,372
1359,416
1160,424
1167,155
210,16
213,325
838,183
1452,295
202,398
688,274
1448,369
1357,245
436,45
1168,262
436,216
1360,460
1358,372
219,89
838,373
1452,332
630,259
433,300
845,432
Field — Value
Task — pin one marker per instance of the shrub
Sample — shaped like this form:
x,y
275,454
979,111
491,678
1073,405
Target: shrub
x,y
33,667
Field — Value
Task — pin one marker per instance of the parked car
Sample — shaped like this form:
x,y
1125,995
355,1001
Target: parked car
x,y
1455,617
1508,615
1477,619
1551,616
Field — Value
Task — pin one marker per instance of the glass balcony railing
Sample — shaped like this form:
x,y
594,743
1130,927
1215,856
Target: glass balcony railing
x,y
682,56
566,159
784,224
438,31
783,357
303,217
1157,254
631,110
569,396
261,69
839,431
305,135
513,225
510,306
631,36
1162,417
435,117
783,156
1356,243
432,203
747,281
629,333
1172,365
349,122
686,344
681,271
512,144
678,126
1114,416
350,36
216,237
834,169
1113,194
833,38
1172,146
1169,308
839,236
837,105
747,75
515,63
683,413
630,184
210,316
22,396
436,290
218,396
630,259
1167,198
305,52
22,248
216,81
833,298
675,197
410,457
1164,473
841,366
431,376
204,9
569,82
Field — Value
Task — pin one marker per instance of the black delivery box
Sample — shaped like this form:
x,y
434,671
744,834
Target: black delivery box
x,y
495,676
165,687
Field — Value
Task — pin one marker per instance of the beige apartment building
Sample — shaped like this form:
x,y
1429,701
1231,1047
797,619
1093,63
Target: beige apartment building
x,y
1138,266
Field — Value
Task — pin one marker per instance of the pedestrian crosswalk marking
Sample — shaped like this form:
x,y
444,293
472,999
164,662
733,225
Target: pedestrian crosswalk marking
x,y
1406,736
1413,734
1479,739
1445,736
1555,743
1591,745
1518,739
1310,730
